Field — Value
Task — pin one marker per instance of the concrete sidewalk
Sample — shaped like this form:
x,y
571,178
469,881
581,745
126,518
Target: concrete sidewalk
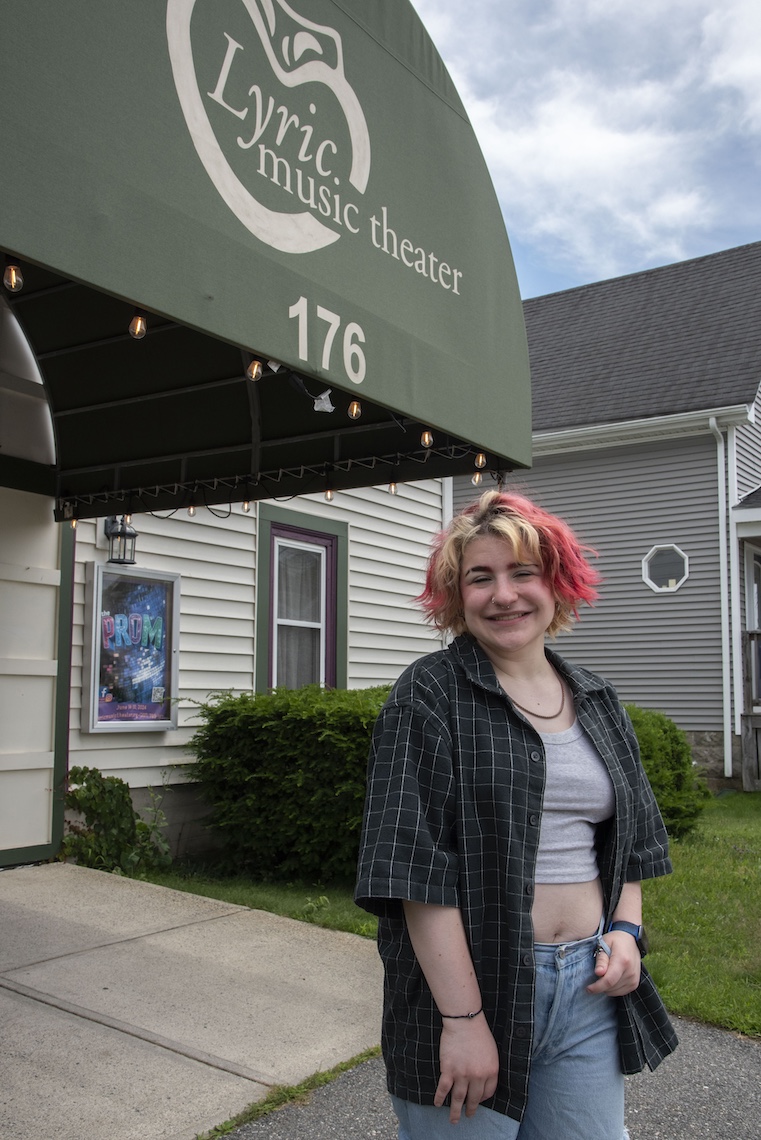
x,y
133,1012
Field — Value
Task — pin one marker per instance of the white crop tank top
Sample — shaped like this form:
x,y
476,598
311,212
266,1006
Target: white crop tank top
x,y
578,795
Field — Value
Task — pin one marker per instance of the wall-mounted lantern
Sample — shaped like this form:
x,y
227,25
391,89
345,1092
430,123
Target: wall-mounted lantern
x,y
121,537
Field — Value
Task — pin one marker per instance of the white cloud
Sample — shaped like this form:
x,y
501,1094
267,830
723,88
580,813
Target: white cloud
x,y
733,42
617,137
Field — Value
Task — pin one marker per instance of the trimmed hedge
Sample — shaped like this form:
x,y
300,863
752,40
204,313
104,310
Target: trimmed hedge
x,y
284,773
680,789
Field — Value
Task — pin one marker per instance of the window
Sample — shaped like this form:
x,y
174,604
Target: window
x,y
752,641
754,612
301,632
665,569
301,600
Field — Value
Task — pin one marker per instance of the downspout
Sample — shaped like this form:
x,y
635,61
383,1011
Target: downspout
x,y
447,501
735,605
726,678
447,514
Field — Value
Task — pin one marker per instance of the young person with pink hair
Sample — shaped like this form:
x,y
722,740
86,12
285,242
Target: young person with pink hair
x,y
507,829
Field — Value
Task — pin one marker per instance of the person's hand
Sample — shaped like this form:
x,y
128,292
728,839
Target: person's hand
x,y
618,974
469,1065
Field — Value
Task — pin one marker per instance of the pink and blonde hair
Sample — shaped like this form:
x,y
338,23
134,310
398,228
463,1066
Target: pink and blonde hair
x,y
535,535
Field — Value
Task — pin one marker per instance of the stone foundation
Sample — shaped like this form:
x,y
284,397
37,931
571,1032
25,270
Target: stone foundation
x,y
708,754
186,812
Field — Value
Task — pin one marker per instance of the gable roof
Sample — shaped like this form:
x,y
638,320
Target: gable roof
x,y
677,339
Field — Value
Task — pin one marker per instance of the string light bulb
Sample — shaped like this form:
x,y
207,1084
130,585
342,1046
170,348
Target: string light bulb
x,y
192,511
480,460
138,326
426,438
392,488
254,369
246,505
355,410
477,479
329,495
13,278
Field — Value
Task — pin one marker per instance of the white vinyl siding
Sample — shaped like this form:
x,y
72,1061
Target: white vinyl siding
x,y
215,557
389,539
660,650
748,450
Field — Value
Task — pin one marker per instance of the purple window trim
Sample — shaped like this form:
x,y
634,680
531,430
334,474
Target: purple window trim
x,y
329,543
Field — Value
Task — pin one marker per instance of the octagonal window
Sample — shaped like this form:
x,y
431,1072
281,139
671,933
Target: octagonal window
x,y
665,568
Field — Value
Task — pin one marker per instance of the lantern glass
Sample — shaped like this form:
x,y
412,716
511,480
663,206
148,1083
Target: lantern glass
x,y
121,541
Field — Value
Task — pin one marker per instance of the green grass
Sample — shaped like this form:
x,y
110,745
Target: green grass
x,y
332,907
704,920
281,1095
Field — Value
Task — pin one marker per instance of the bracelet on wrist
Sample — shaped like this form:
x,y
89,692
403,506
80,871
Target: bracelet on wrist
x,y
462,1016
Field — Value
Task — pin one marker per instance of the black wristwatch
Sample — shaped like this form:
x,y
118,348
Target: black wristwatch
x,y
637,933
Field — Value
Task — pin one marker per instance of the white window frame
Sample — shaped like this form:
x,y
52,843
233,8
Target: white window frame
x,y
752,560
277,622
646,568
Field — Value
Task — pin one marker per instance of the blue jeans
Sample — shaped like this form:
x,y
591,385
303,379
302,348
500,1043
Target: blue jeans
x,y
576,1088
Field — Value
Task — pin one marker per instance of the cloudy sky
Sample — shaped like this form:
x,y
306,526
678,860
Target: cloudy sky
x,y
620,135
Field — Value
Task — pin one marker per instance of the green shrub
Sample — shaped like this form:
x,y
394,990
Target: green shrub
x,y
285,775
679,788
113,836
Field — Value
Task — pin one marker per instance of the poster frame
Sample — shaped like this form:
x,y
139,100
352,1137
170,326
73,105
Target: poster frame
x,y
96,581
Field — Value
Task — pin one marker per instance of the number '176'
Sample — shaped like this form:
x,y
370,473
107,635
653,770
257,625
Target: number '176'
x,y
353,338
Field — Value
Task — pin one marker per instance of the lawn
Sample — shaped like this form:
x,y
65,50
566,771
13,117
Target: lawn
x,y
704,921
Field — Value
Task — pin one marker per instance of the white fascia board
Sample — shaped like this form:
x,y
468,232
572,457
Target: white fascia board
x,y
640,431
747,522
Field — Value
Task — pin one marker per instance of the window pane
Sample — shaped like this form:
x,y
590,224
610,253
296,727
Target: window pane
x,y
299,584
666,567
755,616
298,656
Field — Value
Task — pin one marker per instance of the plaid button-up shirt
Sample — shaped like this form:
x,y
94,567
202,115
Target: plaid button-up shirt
x,y
454,803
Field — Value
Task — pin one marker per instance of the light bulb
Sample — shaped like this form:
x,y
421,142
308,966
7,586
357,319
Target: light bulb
x,y
246,505
329,495
477,479
191,511
480,459
254,369
138,326
73,524
128,519
355,410
13,278
392,488
426,438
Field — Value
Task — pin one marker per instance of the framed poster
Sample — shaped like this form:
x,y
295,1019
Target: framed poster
x,y
131,649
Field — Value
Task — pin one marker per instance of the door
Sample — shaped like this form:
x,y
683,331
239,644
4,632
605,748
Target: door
x,y
29,611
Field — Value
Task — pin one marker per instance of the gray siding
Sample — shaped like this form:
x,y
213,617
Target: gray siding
x,y
661,651
748,444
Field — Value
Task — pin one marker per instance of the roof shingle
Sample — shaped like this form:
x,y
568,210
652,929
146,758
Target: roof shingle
x,y
676,339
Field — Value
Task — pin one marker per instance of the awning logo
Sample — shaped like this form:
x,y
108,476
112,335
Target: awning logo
x,y
288,162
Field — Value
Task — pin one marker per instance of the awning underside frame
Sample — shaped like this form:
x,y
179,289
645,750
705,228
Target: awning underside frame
x,y
171,420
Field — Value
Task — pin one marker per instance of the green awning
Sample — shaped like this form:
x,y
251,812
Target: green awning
x,y
295,183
